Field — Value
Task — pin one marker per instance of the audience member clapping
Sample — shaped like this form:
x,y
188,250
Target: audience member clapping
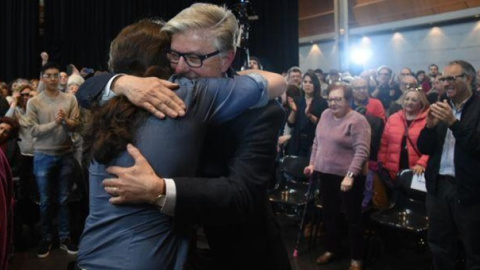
x,y
398,148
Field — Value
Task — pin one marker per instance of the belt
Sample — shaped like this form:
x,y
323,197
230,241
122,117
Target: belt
x,y
448,178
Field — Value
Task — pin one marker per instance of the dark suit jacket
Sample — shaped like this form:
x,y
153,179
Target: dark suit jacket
x,y
240,227
466,154
231,200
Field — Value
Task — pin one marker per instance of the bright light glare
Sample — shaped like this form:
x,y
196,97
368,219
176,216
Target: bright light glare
x,y
360,56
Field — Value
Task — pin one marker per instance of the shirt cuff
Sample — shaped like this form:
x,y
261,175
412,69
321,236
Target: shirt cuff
x,y
168,207
107,91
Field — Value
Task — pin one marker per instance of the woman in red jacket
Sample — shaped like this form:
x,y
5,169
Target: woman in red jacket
x,y
398,148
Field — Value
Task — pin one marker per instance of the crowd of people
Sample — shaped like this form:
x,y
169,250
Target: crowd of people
x,y
425,123
158,163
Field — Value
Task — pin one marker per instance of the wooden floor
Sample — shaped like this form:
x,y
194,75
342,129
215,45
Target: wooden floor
x,y
401,254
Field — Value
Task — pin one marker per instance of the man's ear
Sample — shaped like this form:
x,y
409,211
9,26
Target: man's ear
x,y
469,80
227,60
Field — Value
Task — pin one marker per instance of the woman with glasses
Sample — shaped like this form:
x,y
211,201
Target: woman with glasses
x,y
398,147
339,154
305,111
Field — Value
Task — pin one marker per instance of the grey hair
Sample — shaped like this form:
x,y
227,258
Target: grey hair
x,y
357,79
293,69
468,69
409,77
219,20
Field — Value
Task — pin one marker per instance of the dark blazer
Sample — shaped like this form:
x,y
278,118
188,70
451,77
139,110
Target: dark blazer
x,y
240,227
466,153
230,201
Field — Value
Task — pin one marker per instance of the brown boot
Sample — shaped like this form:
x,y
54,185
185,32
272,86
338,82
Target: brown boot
x,y
308,230
325,258
355,265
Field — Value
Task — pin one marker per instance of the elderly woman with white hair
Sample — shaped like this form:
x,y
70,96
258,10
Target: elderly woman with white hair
x,y
340,153
73,83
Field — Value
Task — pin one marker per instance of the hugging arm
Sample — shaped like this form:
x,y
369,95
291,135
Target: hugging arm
x,y
153,94
276,83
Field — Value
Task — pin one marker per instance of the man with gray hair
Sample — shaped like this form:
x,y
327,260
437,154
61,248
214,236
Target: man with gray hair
x,y
387,90
406,71
373,106
407,82
451,139
239,156
294,76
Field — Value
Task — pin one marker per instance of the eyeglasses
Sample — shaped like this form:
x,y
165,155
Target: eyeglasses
x,y
25,94
51,76
409,86
335,100
451,79
418,89
383,74
192,60
360,88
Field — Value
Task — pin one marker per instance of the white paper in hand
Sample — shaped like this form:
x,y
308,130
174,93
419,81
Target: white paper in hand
x,y
418,182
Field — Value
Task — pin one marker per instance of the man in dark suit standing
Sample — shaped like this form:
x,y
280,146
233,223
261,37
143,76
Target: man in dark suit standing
x,y
230,201
451,138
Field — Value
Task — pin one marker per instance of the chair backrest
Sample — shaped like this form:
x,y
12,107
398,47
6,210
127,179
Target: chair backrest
x,y
403,185
292,168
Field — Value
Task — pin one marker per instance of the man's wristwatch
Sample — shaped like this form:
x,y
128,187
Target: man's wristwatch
x,y
351,174
160,201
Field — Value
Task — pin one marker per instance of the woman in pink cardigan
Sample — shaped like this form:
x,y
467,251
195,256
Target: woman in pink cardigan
x,y
398,147
339,154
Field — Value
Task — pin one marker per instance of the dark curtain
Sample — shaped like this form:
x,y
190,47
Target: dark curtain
x,y
274,36
19,50
79,32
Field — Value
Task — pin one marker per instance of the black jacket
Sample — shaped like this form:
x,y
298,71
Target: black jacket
x,y
303,131
466,154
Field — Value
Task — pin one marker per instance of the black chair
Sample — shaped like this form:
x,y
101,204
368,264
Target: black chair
x,y
294,195
289,196
408,213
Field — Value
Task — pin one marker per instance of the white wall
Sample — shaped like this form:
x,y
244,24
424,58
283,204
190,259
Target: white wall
x,y
320,55
415,48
